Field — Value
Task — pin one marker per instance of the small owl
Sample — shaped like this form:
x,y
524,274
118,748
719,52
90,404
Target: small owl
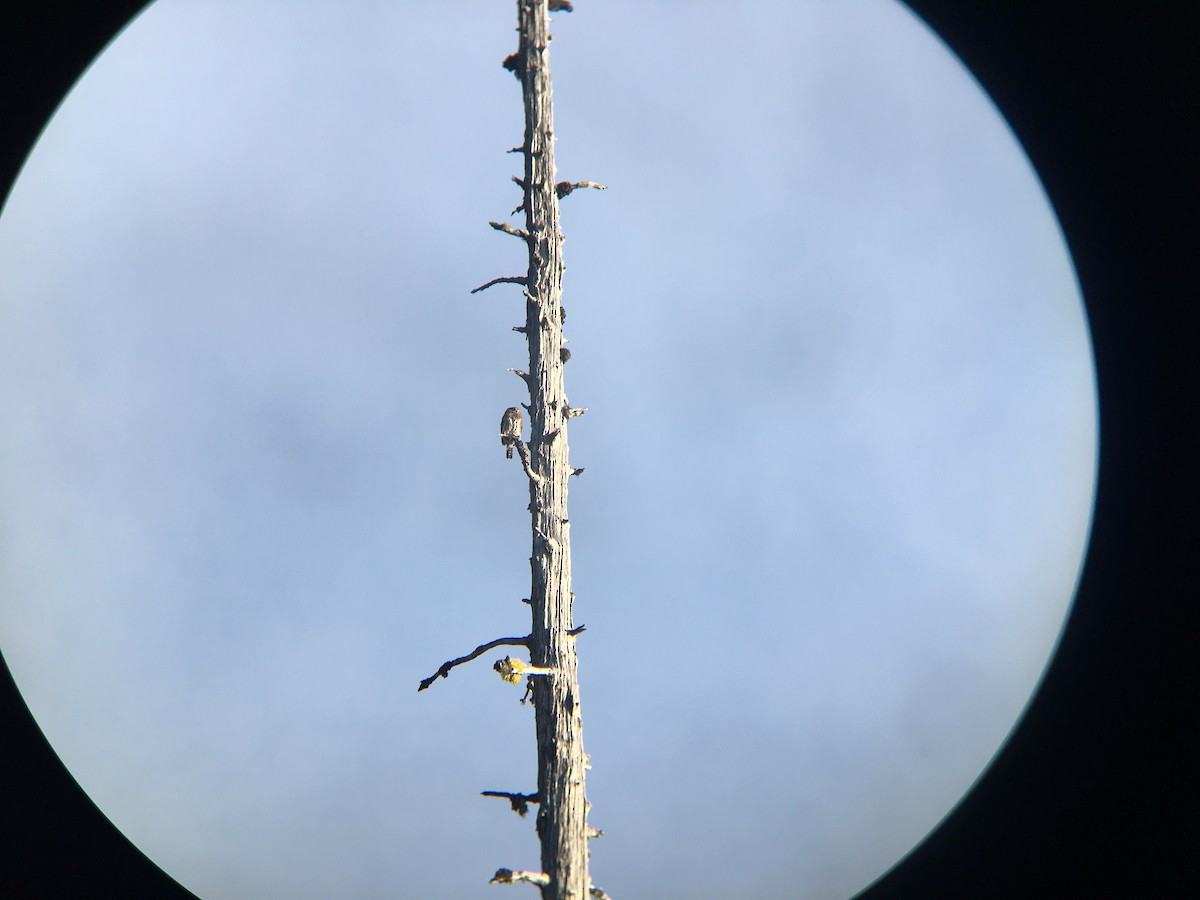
x,y
510,430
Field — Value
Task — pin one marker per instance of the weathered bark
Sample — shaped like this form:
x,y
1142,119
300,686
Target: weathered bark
x,y
552,678
562,808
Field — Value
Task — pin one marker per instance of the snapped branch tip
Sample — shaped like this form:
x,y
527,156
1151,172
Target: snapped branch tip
x,y
566,187
508,876
508,229
520,802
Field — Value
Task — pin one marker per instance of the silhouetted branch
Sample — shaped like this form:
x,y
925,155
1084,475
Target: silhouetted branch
x,y
520,802
508,279
444,671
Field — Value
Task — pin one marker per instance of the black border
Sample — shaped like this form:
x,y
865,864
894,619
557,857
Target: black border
x,y
54,842
1094,796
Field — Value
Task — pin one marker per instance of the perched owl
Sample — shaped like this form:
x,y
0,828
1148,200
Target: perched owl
x,y
510,429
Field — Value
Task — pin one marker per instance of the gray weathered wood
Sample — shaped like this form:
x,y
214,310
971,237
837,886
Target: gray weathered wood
x,y
562,808
552,678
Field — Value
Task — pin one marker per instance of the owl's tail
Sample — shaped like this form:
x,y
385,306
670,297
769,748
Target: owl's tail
x,y
508,452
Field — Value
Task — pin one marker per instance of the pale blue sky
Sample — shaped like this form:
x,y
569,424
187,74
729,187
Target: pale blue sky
x,y
840,445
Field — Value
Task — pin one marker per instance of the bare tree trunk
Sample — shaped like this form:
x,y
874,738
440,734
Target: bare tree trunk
x,y
562,810
552,679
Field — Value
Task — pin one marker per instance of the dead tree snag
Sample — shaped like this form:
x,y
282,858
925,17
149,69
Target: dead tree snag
x,y
550,676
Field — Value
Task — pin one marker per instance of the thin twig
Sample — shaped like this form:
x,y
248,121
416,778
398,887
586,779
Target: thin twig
x,y
508,279
444,671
